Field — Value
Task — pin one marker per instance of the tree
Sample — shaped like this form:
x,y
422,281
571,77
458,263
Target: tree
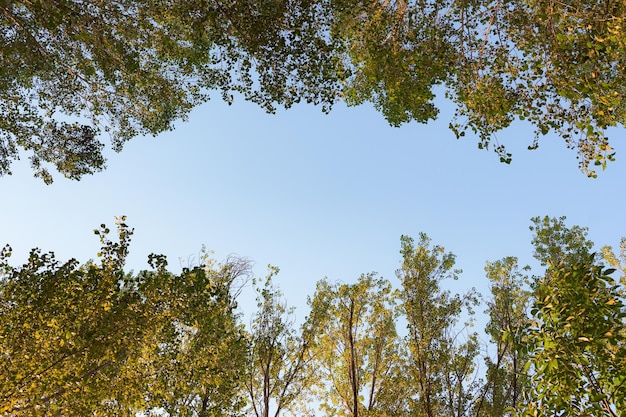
x,y
506,379
70,69
397,51
439,365
281,367
559,66
577,341
557,243
357,349
67,331
199,365
90,339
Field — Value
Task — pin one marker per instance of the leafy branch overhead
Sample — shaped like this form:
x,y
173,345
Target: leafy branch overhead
x,y
73,72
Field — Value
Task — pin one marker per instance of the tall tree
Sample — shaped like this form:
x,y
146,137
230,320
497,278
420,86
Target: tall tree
x,y
506,379
281,370
195,363
577,341
441,363
557,65
90,339
357,349
397,52
67,331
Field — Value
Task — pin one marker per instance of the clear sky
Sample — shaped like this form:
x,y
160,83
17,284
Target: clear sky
x,y
316,195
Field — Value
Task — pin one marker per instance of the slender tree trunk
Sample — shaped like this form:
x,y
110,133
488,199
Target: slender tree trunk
x,y
353,370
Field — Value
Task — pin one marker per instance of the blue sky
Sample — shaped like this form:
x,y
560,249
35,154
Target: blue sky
x,y
316,195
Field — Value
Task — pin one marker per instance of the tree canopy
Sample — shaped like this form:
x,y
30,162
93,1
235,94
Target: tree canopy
x,y
74,71
91,339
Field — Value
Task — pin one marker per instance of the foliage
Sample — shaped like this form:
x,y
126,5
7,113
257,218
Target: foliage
x,y
397,52
71,69
440,365
578,342
357,348
67,330
615,261
558,65
281,363
89,339
196,359
508,320
554,242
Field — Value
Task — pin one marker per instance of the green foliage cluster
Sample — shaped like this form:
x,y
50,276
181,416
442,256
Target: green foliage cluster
x,y
70,69
90,339
80,340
